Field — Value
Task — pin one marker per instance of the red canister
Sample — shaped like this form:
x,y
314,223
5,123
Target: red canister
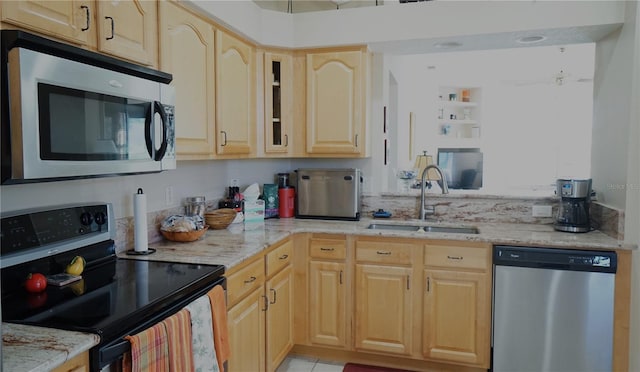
x,y
287,197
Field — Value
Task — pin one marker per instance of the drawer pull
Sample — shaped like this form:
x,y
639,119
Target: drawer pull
x,y
251,280
384,253
454,257
327,249
283,257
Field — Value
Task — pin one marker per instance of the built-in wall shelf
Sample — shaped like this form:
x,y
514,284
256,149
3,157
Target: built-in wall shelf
x,y
459,114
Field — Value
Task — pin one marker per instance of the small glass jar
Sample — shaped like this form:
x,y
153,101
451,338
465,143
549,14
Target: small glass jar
x,y
194,205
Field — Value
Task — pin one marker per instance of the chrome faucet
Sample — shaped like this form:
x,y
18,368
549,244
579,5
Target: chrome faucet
x,y
445,190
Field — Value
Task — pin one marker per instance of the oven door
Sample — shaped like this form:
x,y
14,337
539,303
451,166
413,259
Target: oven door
x,y
108,355
70,119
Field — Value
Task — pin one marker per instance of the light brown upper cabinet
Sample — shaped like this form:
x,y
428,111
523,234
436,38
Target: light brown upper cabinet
x,y
278,103
184,34
126,29
337,102
236,96
73,21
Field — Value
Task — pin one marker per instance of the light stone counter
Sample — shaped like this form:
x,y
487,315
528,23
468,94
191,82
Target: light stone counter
x,y
29,348
235,244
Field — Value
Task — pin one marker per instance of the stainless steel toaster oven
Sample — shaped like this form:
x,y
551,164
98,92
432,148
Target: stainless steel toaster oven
x,y
329,193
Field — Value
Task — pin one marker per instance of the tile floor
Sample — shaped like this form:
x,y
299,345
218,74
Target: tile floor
x,y
304,364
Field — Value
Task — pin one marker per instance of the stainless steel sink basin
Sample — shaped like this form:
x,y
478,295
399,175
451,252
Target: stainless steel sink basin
x,y
423,228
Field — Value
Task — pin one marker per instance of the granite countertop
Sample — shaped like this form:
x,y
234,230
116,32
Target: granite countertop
x,y
29,348
237,243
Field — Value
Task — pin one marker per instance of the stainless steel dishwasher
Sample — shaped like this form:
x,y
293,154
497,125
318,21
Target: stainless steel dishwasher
x,y
552,309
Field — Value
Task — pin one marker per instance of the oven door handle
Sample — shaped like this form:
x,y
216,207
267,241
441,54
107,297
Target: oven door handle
x,y
115,351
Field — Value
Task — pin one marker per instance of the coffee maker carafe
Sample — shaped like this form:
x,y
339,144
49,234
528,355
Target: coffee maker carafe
x,y
573,213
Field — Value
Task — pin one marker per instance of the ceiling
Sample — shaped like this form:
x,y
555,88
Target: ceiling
x,y
301,6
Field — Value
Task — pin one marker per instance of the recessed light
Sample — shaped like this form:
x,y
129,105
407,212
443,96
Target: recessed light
x,y
530,39
448,44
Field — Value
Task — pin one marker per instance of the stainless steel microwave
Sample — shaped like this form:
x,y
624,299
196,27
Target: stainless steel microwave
x,y
71,113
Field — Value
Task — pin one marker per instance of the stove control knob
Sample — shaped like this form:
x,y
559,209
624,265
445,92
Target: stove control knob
x,y
100,218
86,218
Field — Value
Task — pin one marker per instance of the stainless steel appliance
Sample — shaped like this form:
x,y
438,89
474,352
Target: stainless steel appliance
x,y
329,193
115,297
575,199
463,167
71,113
552,309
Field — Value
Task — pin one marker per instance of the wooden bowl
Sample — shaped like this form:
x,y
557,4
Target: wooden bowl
x,y
181,236
220,218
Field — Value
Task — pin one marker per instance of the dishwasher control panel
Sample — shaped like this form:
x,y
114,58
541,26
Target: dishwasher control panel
x,y
562,259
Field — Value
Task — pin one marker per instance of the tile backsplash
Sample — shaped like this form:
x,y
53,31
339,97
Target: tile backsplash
x,y
448,208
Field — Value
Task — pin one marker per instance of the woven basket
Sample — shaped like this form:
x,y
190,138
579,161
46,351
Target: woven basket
x,y
220,218
182,236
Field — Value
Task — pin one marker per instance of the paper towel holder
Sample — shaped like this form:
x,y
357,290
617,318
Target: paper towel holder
x,y
148,251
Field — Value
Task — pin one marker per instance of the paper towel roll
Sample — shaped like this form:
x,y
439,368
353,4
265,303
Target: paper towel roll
x,y
141,242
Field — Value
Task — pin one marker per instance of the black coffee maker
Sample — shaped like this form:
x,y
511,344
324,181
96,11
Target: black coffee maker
x,y
575,197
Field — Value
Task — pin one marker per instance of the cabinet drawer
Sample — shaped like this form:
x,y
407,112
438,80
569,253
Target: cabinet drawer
x,y
79,363
328,248
244,281
457,257
279,257
385,252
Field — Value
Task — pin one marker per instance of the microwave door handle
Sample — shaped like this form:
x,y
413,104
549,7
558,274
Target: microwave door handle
x,y
159,153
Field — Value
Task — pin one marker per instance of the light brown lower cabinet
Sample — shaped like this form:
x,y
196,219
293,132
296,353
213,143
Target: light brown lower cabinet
x,y
79,363
384,312
327,301
246,322
455,311
279,317
260,315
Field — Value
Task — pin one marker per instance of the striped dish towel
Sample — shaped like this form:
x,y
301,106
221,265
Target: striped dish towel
x,y
178,328
204,353
150,350
220,330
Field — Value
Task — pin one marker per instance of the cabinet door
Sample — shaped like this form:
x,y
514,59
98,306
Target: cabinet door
x,y
235,80
335,102
384,314
327,303
246,322
278,102
456,317
183,34
128,29
279,318
73,21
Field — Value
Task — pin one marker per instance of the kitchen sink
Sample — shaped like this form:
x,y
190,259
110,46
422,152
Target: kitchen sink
x,y
424,228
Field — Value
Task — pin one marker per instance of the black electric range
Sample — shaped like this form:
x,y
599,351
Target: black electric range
x,y
115,296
